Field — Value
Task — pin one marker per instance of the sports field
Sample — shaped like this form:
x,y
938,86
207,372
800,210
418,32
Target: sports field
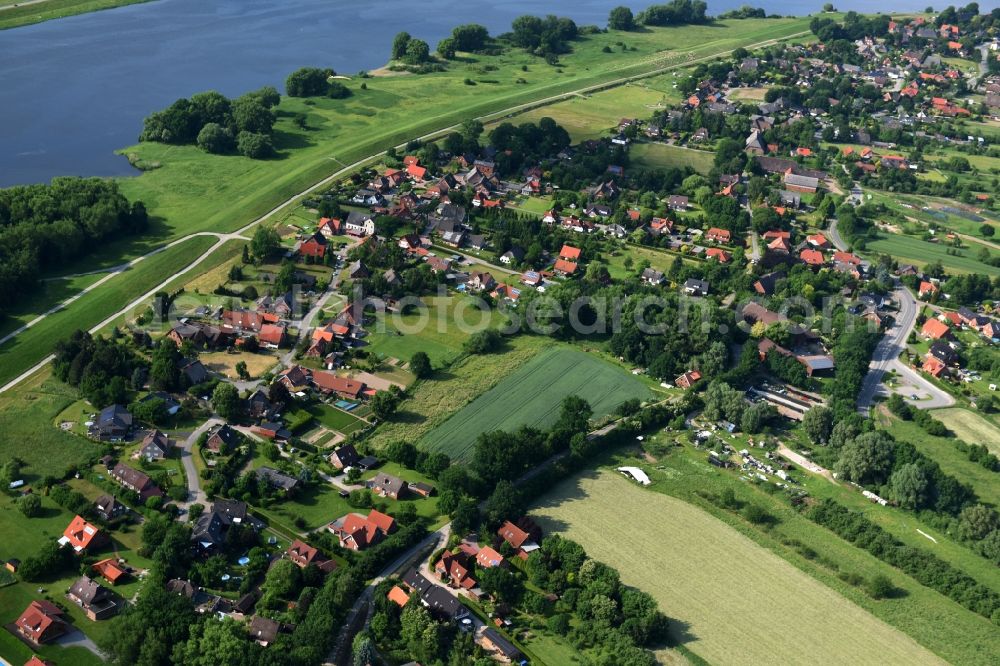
x,y
970,427
532,395
663,156
730,600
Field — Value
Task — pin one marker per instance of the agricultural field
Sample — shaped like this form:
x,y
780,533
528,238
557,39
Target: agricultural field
x,y
729,599
434,400
532,395
665,156
970,427
908,249
33,345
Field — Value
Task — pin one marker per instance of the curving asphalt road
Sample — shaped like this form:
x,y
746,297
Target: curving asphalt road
x,y
886,357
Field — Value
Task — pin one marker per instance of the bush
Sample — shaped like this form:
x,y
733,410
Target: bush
x,y
880,587
30,505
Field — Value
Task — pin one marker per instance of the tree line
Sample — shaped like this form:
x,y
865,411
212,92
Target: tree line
x,y
43,226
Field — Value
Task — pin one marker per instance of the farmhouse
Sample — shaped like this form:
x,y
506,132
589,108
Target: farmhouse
x,y
797,183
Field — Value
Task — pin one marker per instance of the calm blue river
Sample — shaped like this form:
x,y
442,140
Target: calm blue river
x,y
73,90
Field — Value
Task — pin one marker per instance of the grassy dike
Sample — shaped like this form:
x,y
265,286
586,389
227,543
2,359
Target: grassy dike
x,y
27,13
190,190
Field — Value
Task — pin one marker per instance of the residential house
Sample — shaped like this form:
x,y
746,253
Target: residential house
x,y
194,370
303,555
359,224
277,479
523,536
934,329
719,255
717,235
818,241
327,382
82,536
223,439
264,631
487,558
696,287
677,202
386,485
935,367
493,641
114,423
97,601
512,256
345,456
110,570
108,508
398,596
155,446
812,257
755,312
42,622
927,289
688,379
766,284
329,227
357,532
136,481
315,246
479,281
454,567
652,276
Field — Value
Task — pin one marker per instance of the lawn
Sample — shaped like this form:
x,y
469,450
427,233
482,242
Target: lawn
x,y
730,600
31,346
912,250
53,9
970,427
597,114
532,396
664,156
49,293
26,421
439,330
332,418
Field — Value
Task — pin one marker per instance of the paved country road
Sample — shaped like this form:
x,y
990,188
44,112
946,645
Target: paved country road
x,y
886,357
436,134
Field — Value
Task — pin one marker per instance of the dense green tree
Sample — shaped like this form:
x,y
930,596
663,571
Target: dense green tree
x,y
255,145
226,401
420,365
308,82
399,44
214,138
621,18
818,424
265,243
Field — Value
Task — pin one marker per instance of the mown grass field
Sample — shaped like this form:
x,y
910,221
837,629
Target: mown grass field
x,y
664,156
192,190
49,294
597,114
31,346
730,600
53,9
908,249
970,427
435,399
532,396
439,329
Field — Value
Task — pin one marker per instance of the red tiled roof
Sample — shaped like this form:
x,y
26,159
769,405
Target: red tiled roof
x,y
327,381
812,257
563,266
934,329
398,595
718,253
80,534
487,557
569,252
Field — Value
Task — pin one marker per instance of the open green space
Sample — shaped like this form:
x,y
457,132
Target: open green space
x,y
192,190
439,329
665,156
26,14
730,600
593,115
31,346
970,427
908,249
331,417
532,396
49,294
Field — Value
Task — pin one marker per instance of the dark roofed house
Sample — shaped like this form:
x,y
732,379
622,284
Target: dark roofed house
x,y
652,276
208,533
277,479
386,485
442,604
766,284
345,456
108,508
194,370
493,641
265,630
696,287
114,423
97,601
155,446
755,312
136,481
222,438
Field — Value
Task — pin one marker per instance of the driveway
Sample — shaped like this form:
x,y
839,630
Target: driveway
x,y
195,493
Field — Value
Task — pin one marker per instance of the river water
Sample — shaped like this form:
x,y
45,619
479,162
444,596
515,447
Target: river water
x,y
75,89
